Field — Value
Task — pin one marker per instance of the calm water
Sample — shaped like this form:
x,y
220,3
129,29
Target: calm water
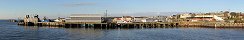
x,y
11,31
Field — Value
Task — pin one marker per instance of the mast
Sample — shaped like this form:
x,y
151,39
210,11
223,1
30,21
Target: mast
x,y
105,16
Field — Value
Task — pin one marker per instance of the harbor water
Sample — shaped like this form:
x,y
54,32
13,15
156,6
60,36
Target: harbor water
x,y
11,31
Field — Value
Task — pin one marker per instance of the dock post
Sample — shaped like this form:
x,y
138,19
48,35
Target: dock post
x,y
127,25
134,25
158,25
142,25
153,26
101,25
70,25
77,25
139,25
106,25
85,25
147,25
215,25
164,25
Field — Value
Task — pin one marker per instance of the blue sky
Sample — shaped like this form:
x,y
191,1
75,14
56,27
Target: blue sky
x,y
10,9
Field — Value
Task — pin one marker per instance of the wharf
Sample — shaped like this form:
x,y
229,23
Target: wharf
x,y
213,25
103,25
137,25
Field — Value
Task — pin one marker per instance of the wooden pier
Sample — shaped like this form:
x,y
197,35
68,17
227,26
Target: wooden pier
x,y
136,25
104,25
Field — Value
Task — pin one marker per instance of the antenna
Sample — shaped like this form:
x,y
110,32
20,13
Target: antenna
x,y
106,13
105,16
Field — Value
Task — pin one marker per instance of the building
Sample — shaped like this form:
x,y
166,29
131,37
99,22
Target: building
x,y
124,19
109,19
59,19
139,19
85,18
161,18
205,18
151,20
33,19
222,14
184,15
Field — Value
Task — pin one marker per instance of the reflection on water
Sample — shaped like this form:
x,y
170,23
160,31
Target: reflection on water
x,y
10,31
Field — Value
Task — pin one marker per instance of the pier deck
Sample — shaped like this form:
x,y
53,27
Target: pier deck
x,y
136,25
105,25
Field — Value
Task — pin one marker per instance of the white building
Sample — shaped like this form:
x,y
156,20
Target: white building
x,y
124,19
139,19
185,15
85,18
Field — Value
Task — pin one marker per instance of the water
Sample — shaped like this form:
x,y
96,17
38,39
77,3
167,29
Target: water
x,y
11,31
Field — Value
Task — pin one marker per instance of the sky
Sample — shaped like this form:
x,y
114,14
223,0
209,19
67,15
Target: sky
x,y
12,9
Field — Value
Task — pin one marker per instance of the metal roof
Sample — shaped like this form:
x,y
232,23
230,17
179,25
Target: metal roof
x,y
85,15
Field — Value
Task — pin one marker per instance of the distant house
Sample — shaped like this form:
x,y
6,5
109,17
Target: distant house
x,y
151,20
139,19
184,15
124,19
223,15
193,19
162,18
205,18
85,18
